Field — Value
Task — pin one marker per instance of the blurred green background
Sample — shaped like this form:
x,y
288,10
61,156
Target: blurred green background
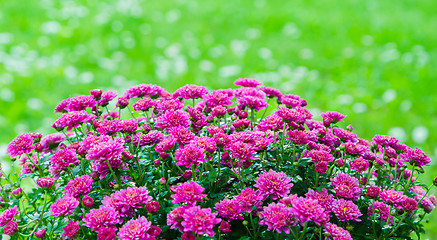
x,y
375,61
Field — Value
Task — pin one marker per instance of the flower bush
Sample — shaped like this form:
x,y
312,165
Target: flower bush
x,y
201,164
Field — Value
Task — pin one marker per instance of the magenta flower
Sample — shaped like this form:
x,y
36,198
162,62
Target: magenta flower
x,y
336,232
393,197
78,186
175,218
10,228
272,122
190,92
344,134
61,160
106,97
359,164
252,102
247,82
8,215
79,103
145,90
271,92
164,146
135,229
150,138
189,155
71,230
383,140
102,217
189,192
247,199
307,209
64,206
172,119
109,127
373,191
322,197
241,150
106,233
181,134
164,105
301,137
218,98
277,217
20,145
382,211
229,209
129,126
320,156
409,204
273,183
332,117
152,206
346,186
72,119
135,197
144,104
206,143
40,233
346,210
417,157
289,115
51,141
200,221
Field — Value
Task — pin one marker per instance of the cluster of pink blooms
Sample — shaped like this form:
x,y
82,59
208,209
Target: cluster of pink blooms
x,y
198,163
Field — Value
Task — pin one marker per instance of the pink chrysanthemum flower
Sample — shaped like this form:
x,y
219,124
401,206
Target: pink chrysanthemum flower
x,y
359,164
61,160
106,98
102,217
241,150
129,126
62,105
307,209
106,233
200,221
114,201
51,141
72,119
290,102
271,92
251,102
273,183
301,137
333,117
190,155
20,145
45,182
109,127
164,105
336,232
190,92
344,134
320,156
373,191
189,192
409,204
346,186
135,229
355,148
393,197
79,103
229,209
272,122
150,138
346,210
181,134
144,104
71,230
8,215
277,217
175,218
382,211
64,206
323,197
164,146
383,140
78,186
247,199
134,197
10,228
145,90
172,119
218,98
206,143
247,82
417,157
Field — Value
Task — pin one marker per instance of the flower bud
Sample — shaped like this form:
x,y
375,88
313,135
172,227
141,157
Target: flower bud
x,y
40,233
96,93
187,174
157,162
243,114
188,236
162,181
152,206
373,191
10,228
87,201
17,193
435,181
225,227
127,155
122,102
339,162
245,223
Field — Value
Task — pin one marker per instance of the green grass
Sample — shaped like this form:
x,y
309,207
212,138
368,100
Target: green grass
x,y
375,61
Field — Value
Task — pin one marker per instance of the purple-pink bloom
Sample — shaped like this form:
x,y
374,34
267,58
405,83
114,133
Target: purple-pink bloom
x,y
164,105
106,233
229,209
252,102
150,138
10,228
135,229
307,209
190,92
384,140
164,146
22,144
392,197
109,127
417,157
382,211
8,215
61,160
141,90
64,206
72,119
346,210
200,220
336,232
346,186
323,197
218,98
320,156
271,92
144,104
241,150
189,155
247,199
106,98
272,122
171,119
301,137
78,186
104,216
189,192
71,230
135,197
409,204
373,191
359,164
247,82
79,103
277,217
333,116
52,140
273,183
175,218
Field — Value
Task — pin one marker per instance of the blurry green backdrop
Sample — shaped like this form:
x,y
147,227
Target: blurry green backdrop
x,y
375,61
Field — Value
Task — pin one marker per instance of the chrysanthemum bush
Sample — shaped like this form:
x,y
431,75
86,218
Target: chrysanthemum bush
x,y
202,164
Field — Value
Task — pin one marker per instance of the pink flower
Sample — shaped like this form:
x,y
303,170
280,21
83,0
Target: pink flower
x,y
61,160
189,192
144,104
247,199
199,220
409,204
181,134
135,229
252,102
307,209
152,206
20,145
241,150
346,186
322,197
382,212
164,105
40,233
8,215
134,197
51,141
359,164
172,119
79,103
190,92
71,230
150,138
109,127
229,209
344,134
102,217
164,146
189,155
346,210
320,156
106,97
321,167
129,126
87,201
336,232
332,117
145,90
218,98
373,191
64,206
383,140
289,115
417,157
277,217
271,92
301,137
175,218
78,186
10,228
224,227
247,82
72,119
393,197
106,233
206,143
273,183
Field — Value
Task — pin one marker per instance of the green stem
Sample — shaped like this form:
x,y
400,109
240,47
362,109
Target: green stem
x,y
113,174
409,179
398,224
